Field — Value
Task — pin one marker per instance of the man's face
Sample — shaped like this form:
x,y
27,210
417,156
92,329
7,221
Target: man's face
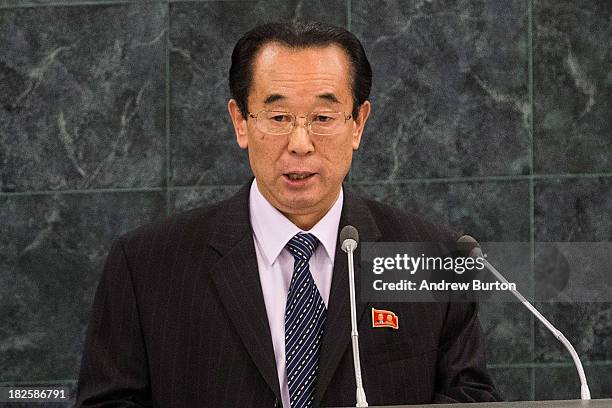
x,y
300,81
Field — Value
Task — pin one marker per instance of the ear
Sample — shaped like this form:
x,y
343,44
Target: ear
x,y
239,122
360,121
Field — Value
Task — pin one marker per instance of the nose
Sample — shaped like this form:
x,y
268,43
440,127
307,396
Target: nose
x,y
300,141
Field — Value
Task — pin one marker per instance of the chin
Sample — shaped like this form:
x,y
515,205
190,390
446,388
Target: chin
x,y
299,205
301,201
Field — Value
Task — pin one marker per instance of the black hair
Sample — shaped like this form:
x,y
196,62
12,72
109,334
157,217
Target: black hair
x,y
298,35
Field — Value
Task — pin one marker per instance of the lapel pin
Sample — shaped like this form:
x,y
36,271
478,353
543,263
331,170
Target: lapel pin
x,y
384,318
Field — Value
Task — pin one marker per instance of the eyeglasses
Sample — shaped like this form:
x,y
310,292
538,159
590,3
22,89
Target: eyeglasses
x,y
278,122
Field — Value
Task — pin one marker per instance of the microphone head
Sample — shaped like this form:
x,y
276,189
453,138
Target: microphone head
x,y
466,244
349,232
349,235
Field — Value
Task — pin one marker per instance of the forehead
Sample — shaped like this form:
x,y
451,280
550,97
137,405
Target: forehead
x,y
300,74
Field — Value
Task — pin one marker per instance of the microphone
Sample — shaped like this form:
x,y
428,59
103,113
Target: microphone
x,y
469,245
349,237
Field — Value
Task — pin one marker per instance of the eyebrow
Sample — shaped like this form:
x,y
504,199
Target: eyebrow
x,y
278,97
273,98
329,97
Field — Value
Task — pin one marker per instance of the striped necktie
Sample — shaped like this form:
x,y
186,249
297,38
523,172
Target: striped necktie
x,y
304,323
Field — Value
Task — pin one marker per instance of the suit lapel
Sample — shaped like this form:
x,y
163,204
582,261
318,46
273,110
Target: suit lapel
x,y
236,278
338,325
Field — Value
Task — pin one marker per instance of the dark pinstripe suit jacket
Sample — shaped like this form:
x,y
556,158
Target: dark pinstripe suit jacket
x,y
179,321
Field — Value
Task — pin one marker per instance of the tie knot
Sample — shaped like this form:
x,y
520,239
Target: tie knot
x,y
302,246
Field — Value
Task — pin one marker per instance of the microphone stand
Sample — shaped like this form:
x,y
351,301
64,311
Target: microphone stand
x,y
349,246
585,393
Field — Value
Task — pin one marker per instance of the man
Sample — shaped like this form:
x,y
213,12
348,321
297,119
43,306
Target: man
x,y
245,303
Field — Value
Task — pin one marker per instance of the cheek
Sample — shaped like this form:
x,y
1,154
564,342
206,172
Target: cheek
x,y
338,156
263,153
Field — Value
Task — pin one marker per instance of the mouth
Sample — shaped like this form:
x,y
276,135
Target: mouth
x,y
298,176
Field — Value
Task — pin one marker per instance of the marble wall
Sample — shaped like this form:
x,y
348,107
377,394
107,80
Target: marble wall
x,y
489,116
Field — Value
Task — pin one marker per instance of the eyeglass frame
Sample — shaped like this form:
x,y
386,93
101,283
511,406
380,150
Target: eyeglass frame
x,y
294,118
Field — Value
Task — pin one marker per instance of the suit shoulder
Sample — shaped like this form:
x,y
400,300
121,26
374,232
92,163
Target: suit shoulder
x,y
398,225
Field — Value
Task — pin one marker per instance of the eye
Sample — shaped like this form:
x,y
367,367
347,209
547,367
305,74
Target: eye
x,y
279,117
323,118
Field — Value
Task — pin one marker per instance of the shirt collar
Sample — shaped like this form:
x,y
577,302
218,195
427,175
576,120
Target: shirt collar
x,y
273,230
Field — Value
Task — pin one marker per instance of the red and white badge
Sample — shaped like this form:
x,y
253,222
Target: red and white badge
x,y
384,318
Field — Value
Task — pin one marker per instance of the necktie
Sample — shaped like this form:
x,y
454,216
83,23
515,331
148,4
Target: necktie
x,y
304,323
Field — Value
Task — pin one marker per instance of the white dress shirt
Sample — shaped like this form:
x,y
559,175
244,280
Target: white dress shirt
x,y
271,232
